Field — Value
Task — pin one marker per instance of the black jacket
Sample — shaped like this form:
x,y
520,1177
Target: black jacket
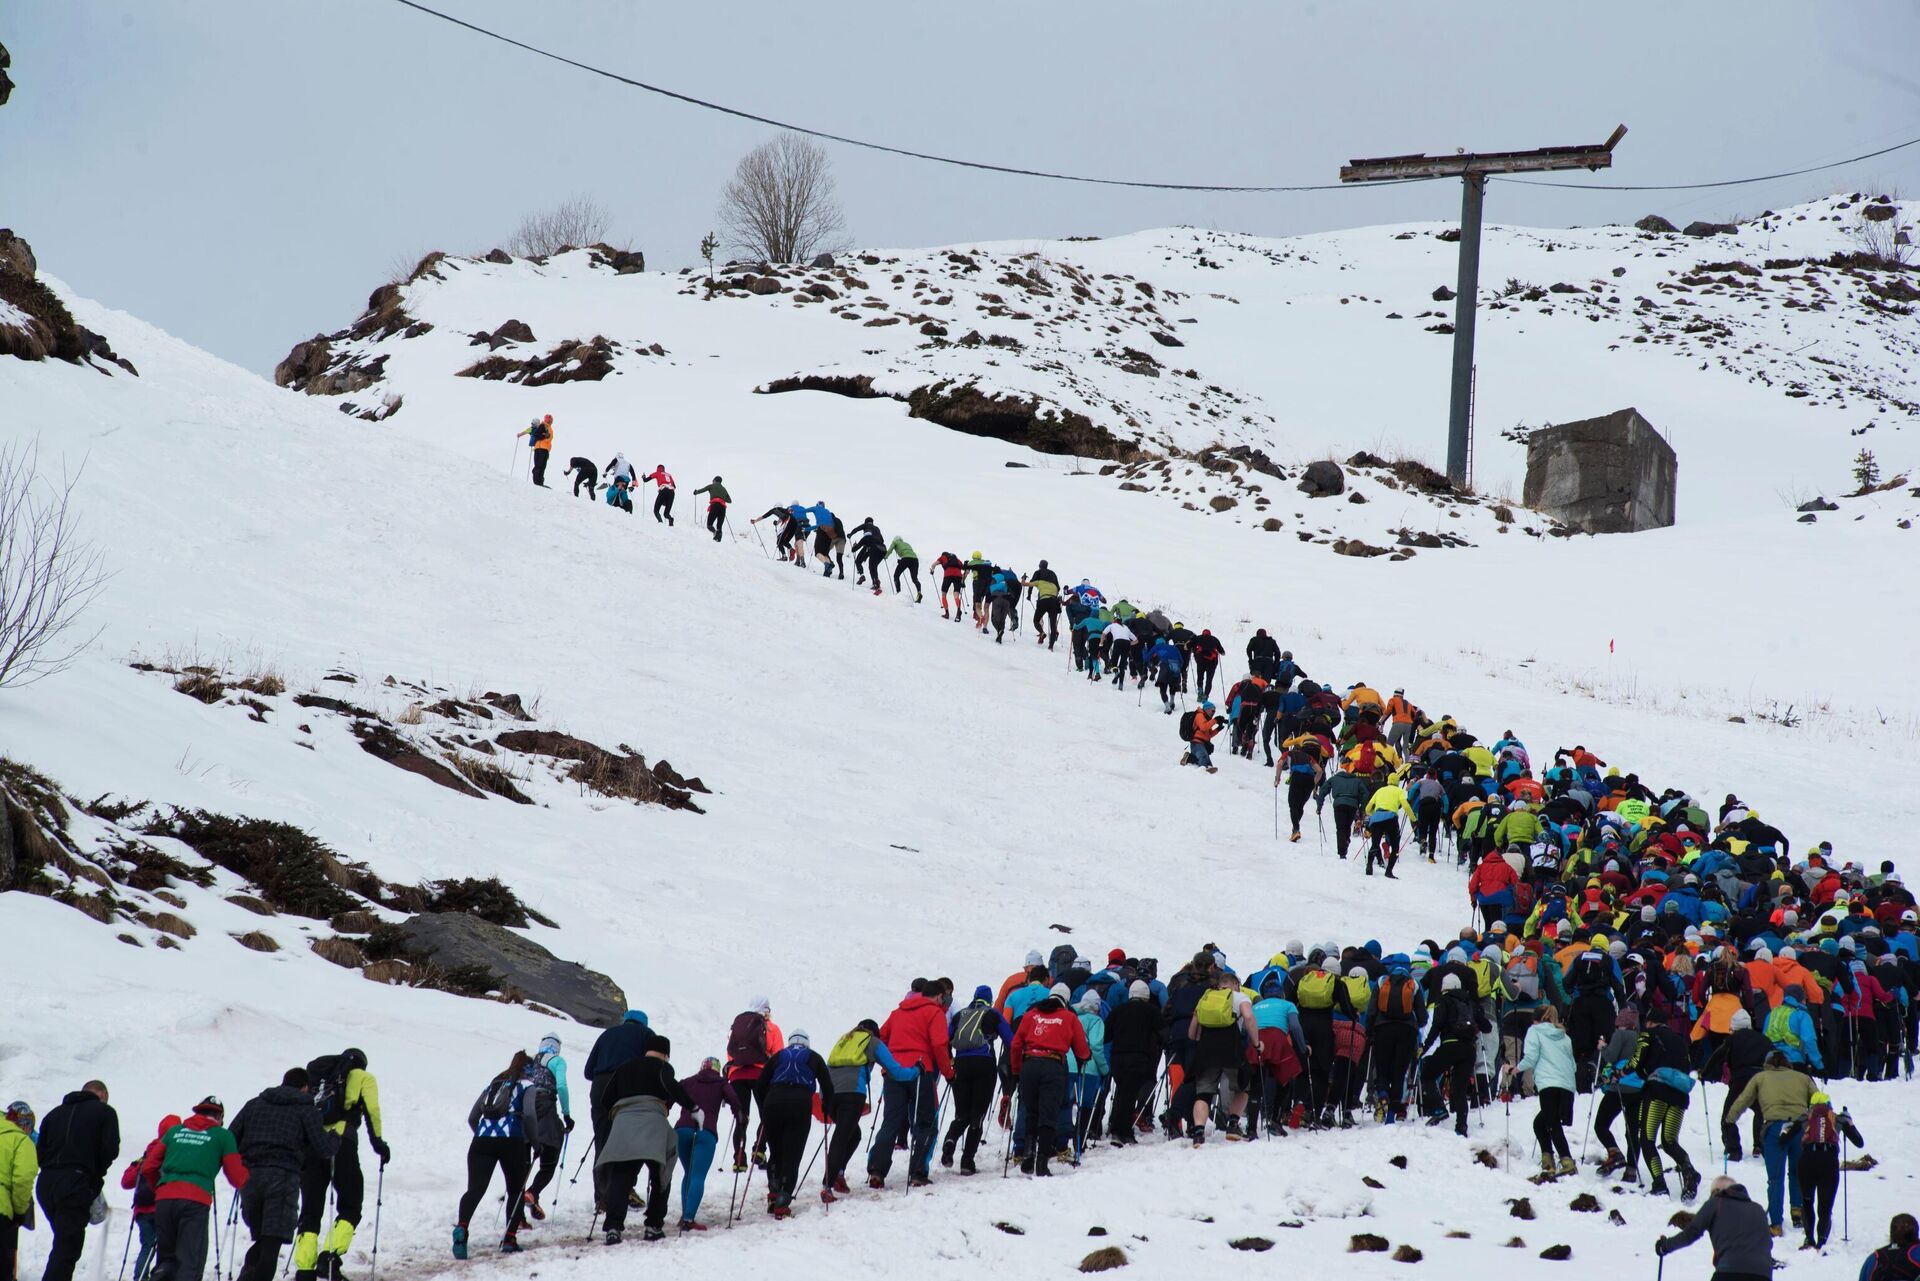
x,y
79,1141
1133,1033
1743,1053
280,1128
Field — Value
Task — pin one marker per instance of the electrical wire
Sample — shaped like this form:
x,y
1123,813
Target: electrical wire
x,y
880,146
1702,186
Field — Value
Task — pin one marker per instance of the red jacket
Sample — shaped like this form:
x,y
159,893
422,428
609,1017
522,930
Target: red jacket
x,y
1050,1030
916,1032
130,1177
659,477
1492,876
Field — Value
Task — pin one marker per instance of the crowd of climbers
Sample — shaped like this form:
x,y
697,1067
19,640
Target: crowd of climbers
x,y
1628,945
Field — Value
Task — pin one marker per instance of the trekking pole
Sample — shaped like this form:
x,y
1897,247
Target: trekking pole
x,y
1706,1106
762,541
1592,1096
379,1199
804,1174
127,1249
583,1160
1846,1206
217,1228
939,1113
561,1162
233,1234
1506,1143
733,1140
745,1192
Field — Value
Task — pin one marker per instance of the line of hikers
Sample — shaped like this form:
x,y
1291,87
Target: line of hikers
x,y
283,1154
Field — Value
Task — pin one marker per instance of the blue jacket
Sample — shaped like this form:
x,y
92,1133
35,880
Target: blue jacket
x,y
1549,1056
1907,945
1685,900
884,1057
799,515
1095,1026
1799,1026
1165,653
1002,583
1024,998
1277,1011
618,1045
822,518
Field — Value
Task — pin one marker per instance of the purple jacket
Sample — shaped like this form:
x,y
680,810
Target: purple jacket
x,y
708,1090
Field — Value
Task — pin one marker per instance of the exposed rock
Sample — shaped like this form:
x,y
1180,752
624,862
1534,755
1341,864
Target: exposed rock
x,y
451,941
1809,519
1557,1253
1654,222
1096,1231
1397,1162
512,331
1105,1259
341,952
1520,1208
569,361
1372,1182
1367,1243
1259,1245
16,255
1699,228
1011,1229
1585,1203
1356,497
1459,1234
1444,294
508,703
1322,479
1616,1218
1877,212
380,740
965,408
625,262
1407,1254
1516,1243
1223,502
257,941
1818,505
1271,524
499,255
625,776
822,262
1357,547
764,285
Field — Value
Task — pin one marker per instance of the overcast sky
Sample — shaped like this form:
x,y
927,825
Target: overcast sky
x,y
244,172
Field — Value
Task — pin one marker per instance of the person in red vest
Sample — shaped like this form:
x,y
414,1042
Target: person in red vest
x,y
662,501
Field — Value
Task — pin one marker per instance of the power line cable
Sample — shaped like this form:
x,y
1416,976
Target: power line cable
x,y
875,146
1701,186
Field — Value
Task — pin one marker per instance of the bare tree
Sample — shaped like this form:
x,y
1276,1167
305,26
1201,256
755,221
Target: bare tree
x,y
1877,229
48,576
780,204
570,224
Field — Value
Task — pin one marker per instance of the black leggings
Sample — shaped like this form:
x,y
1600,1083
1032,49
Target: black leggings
x,y
1046,619
1819,1180
846,1134
975,1081
482,1156
1299,788
1203,674
587,479
910,566
1383,842
1612,1104
663,506
549,1165
867,562
1342,827
1660,1132
1550,1123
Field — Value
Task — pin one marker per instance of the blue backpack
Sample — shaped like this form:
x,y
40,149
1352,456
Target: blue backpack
x,y
793,1066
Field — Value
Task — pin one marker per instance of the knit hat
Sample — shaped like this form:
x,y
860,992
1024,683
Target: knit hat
x,y
1616,949
1628,1018
1116,956
760,1005
1357,972
660,1045
983,993
799,1037
1060,990
1788,954
1740,1021
1451,983
1034,958
1139,990
1089,1002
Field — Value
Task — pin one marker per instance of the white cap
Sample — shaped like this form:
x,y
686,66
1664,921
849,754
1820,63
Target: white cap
x,y
1357,972
1060,990
1034,958
1450,983
799,1037
1139,990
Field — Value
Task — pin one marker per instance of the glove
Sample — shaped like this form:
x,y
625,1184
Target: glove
x,y
1660,1246
569,1125
381,1149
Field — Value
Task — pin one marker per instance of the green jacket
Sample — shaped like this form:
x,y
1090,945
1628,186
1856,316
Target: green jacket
x,y
902,548
1519,825
1781,1094
716,491
190,1157
19,1164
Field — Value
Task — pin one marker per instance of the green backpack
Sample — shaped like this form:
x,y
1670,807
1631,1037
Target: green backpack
x,y
851,1050
1316,990
1215,1008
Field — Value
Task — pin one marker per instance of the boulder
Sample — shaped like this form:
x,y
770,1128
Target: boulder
x,y
1654,222
1818,505
16,255
1698,228
1871,213
1322,479
6,81
625,262
1444,294
499,255
823,261
449,941
512,331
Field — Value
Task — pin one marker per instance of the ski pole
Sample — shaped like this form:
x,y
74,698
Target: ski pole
x,y
560,1162
1846,1206
379,1199
733,1140
1706,1106
1276,811
745,1193
806,1173
1592,1095
589,1156
233,1234
217,1228
128,1248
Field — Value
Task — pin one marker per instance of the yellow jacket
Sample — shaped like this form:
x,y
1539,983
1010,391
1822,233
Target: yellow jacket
x,y
19,1166
1389,800
362,1097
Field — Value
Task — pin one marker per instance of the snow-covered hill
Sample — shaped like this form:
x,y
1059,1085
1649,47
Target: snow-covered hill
x,y
891,794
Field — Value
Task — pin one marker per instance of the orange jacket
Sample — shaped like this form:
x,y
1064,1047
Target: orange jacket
x,y
1015,981
1718,1015
1765,980
1792,974
1204,727
1362,695
1399,710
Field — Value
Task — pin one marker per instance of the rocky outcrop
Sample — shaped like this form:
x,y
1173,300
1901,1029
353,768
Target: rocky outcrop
x,y
569,361
35,324
449,941
625,262
627,775
1322,479
1655,223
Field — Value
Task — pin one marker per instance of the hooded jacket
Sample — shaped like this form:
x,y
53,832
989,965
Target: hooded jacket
x,y
1050,1030
279,1128
1781,1094
1548,1054
190,1157
1742,1242
19,1166
79,1141
916,1032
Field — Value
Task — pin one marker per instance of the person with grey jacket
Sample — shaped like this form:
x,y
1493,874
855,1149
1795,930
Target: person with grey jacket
x,y
1742,1239
640,1134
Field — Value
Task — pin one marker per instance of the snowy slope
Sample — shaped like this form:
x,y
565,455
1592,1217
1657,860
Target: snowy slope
x,y
834,729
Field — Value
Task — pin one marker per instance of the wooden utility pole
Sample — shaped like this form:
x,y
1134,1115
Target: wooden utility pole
x,y
1472,168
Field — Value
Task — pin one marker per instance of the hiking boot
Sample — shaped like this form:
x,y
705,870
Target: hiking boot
x,y
919,1181
759,1158
967,1166
840,1184
692,1225
946,1157
509,1244
1795,1210
1040,1170
1199,1137
533,1206
612,1237
1611,1161
653,1234
1566,1166
1775,1230
327,1266
1546,1164
1026,1164
1295,836
460,1241
875,1182
827,1197
1630,1176
1659,1186
780,1211
1689,1183
634,1202
1460,1127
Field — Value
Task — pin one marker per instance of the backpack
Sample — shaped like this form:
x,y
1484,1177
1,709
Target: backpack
x,y
1456,1017
745,1041
1316,990
1523,975
970,1029
1186,726
1820,1127
538,432
1303,761
1365,759
1215,1008
1394,1000
851,1050
793,1066
329,1076
1780,1027
497,1100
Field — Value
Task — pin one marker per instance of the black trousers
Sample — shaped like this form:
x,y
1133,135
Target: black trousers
x,y
1132,1079
1043,1088
1819,1180
1393,1045
549,1154
181,1250
749,1091
1383,842
1046,619
1730,1132
585,480
846,1135
1318,1027
621,1178
511,1156
1343,827
1203,673
9,1244
1589,1024
540,466
910,566
663,506
270,1204
1426,825
716,519
786,1114
975,1081
343,1175
66,1217
1615,1104
1299,788
1550,1123
1454,1060
865,563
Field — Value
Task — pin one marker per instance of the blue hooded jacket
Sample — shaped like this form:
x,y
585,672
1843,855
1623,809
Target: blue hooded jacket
x,y
620,1044
995,1026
